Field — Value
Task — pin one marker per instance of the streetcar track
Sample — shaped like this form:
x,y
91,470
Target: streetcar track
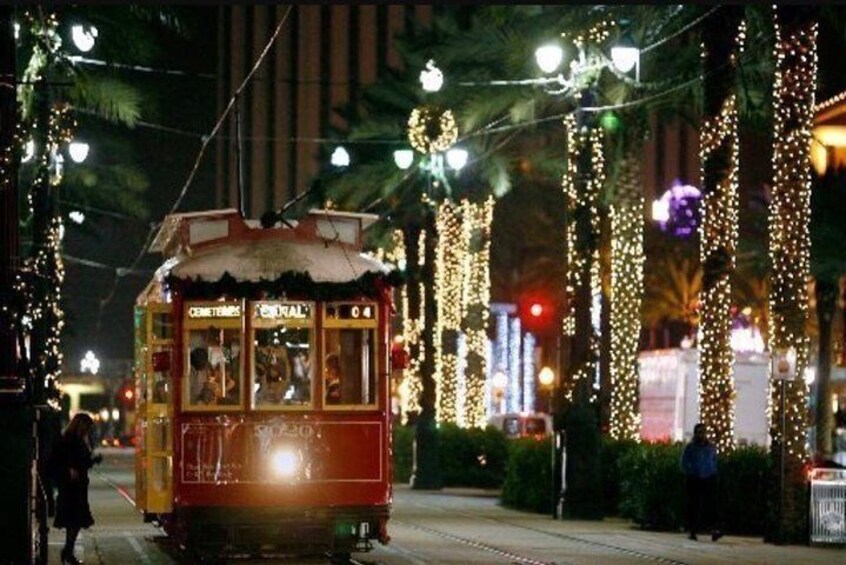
x,y
568,537
474,544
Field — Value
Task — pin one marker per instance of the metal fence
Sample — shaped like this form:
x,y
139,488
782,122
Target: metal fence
x,y
828,506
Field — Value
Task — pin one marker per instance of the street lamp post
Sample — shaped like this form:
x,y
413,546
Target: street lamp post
x,y
582,239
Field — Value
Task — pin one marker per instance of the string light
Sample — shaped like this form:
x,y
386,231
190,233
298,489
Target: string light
x,y
448,293
432,129
514,389
529,385
793,94
475,315
627,258
719,157
39,282
582,190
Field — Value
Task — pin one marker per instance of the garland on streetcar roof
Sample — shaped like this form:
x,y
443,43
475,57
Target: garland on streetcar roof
x,y
292,284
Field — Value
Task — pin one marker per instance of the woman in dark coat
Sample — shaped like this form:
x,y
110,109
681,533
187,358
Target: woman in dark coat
x,y
71,461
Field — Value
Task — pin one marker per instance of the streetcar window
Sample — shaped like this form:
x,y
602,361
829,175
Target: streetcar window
x,y
161,374
282,354
162,325
349,367
214,366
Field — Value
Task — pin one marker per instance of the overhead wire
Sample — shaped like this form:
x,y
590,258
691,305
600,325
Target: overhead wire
x,y
193,172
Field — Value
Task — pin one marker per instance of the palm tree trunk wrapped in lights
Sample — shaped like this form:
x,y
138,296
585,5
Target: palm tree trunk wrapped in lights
x,y
476,282
626,295
723,37
412,322
582,185
793,96
451,252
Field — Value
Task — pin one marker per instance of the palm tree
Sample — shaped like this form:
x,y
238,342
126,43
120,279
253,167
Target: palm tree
x,y
673,286
722,45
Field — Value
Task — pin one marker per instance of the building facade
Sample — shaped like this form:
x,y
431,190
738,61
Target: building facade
x,y
322,59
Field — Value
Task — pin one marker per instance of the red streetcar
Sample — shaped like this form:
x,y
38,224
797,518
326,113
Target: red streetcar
x,y
262,389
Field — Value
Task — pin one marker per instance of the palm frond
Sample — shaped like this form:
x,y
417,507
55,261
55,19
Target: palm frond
x,y
107,97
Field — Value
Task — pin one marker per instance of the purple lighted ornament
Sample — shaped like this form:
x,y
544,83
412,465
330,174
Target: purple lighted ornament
x,y
677,210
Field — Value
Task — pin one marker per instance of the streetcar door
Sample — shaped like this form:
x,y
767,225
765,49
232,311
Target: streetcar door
x,y
154,408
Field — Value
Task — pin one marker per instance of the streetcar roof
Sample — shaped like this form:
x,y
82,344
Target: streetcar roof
x,y
254,260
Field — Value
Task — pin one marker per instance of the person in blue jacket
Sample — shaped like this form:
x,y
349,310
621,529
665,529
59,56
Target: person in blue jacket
x,y
699,463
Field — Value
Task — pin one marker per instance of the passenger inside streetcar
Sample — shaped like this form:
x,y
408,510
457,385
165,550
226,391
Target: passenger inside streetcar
x,y
272,374
333,379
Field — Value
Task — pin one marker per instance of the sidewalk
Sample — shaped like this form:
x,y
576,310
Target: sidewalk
x,y
119,534
587,541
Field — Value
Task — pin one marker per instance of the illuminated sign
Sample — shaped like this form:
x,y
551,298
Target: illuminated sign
x,y
275,310
351,311
216,311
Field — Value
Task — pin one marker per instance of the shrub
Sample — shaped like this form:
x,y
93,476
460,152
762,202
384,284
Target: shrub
x,y
528,475
403,441
468,457
472,457
612,451
652,485
743,476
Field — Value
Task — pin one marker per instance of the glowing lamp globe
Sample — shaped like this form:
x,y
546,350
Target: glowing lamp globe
x,y
340,157
83,38
456,158
78,151
403,158
431,78
624,58
546,376
549,57
89,363
536,310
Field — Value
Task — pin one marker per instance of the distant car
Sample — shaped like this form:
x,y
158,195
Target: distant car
x,y
517,425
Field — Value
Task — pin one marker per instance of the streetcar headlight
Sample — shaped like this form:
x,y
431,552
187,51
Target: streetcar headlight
x,y
284,462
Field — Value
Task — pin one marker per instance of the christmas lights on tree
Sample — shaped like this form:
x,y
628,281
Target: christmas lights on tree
x,y
793,95
476,282
42,275
582,184
448,292
627,260
719,158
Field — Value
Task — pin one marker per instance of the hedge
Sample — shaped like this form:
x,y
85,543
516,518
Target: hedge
x,y
403,442
652,488
644,483
528,476
468,457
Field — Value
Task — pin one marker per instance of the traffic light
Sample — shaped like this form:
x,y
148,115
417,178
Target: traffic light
x,y
537,314
126,395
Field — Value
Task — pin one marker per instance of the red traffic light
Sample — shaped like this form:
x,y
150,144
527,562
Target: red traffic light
x,y
536,310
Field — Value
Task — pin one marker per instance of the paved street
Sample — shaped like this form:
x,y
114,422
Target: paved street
x,y
453,526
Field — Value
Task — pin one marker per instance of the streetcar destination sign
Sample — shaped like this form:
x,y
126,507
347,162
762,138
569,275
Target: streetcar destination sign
x,y
351,311
276,310
216,311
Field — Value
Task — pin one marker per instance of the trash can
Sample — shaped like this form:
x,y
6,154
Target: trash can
x,y
828,506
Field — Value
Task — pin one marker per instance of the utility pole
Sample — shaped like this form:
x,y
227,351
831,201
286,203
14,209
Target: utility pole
x,y
17,441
